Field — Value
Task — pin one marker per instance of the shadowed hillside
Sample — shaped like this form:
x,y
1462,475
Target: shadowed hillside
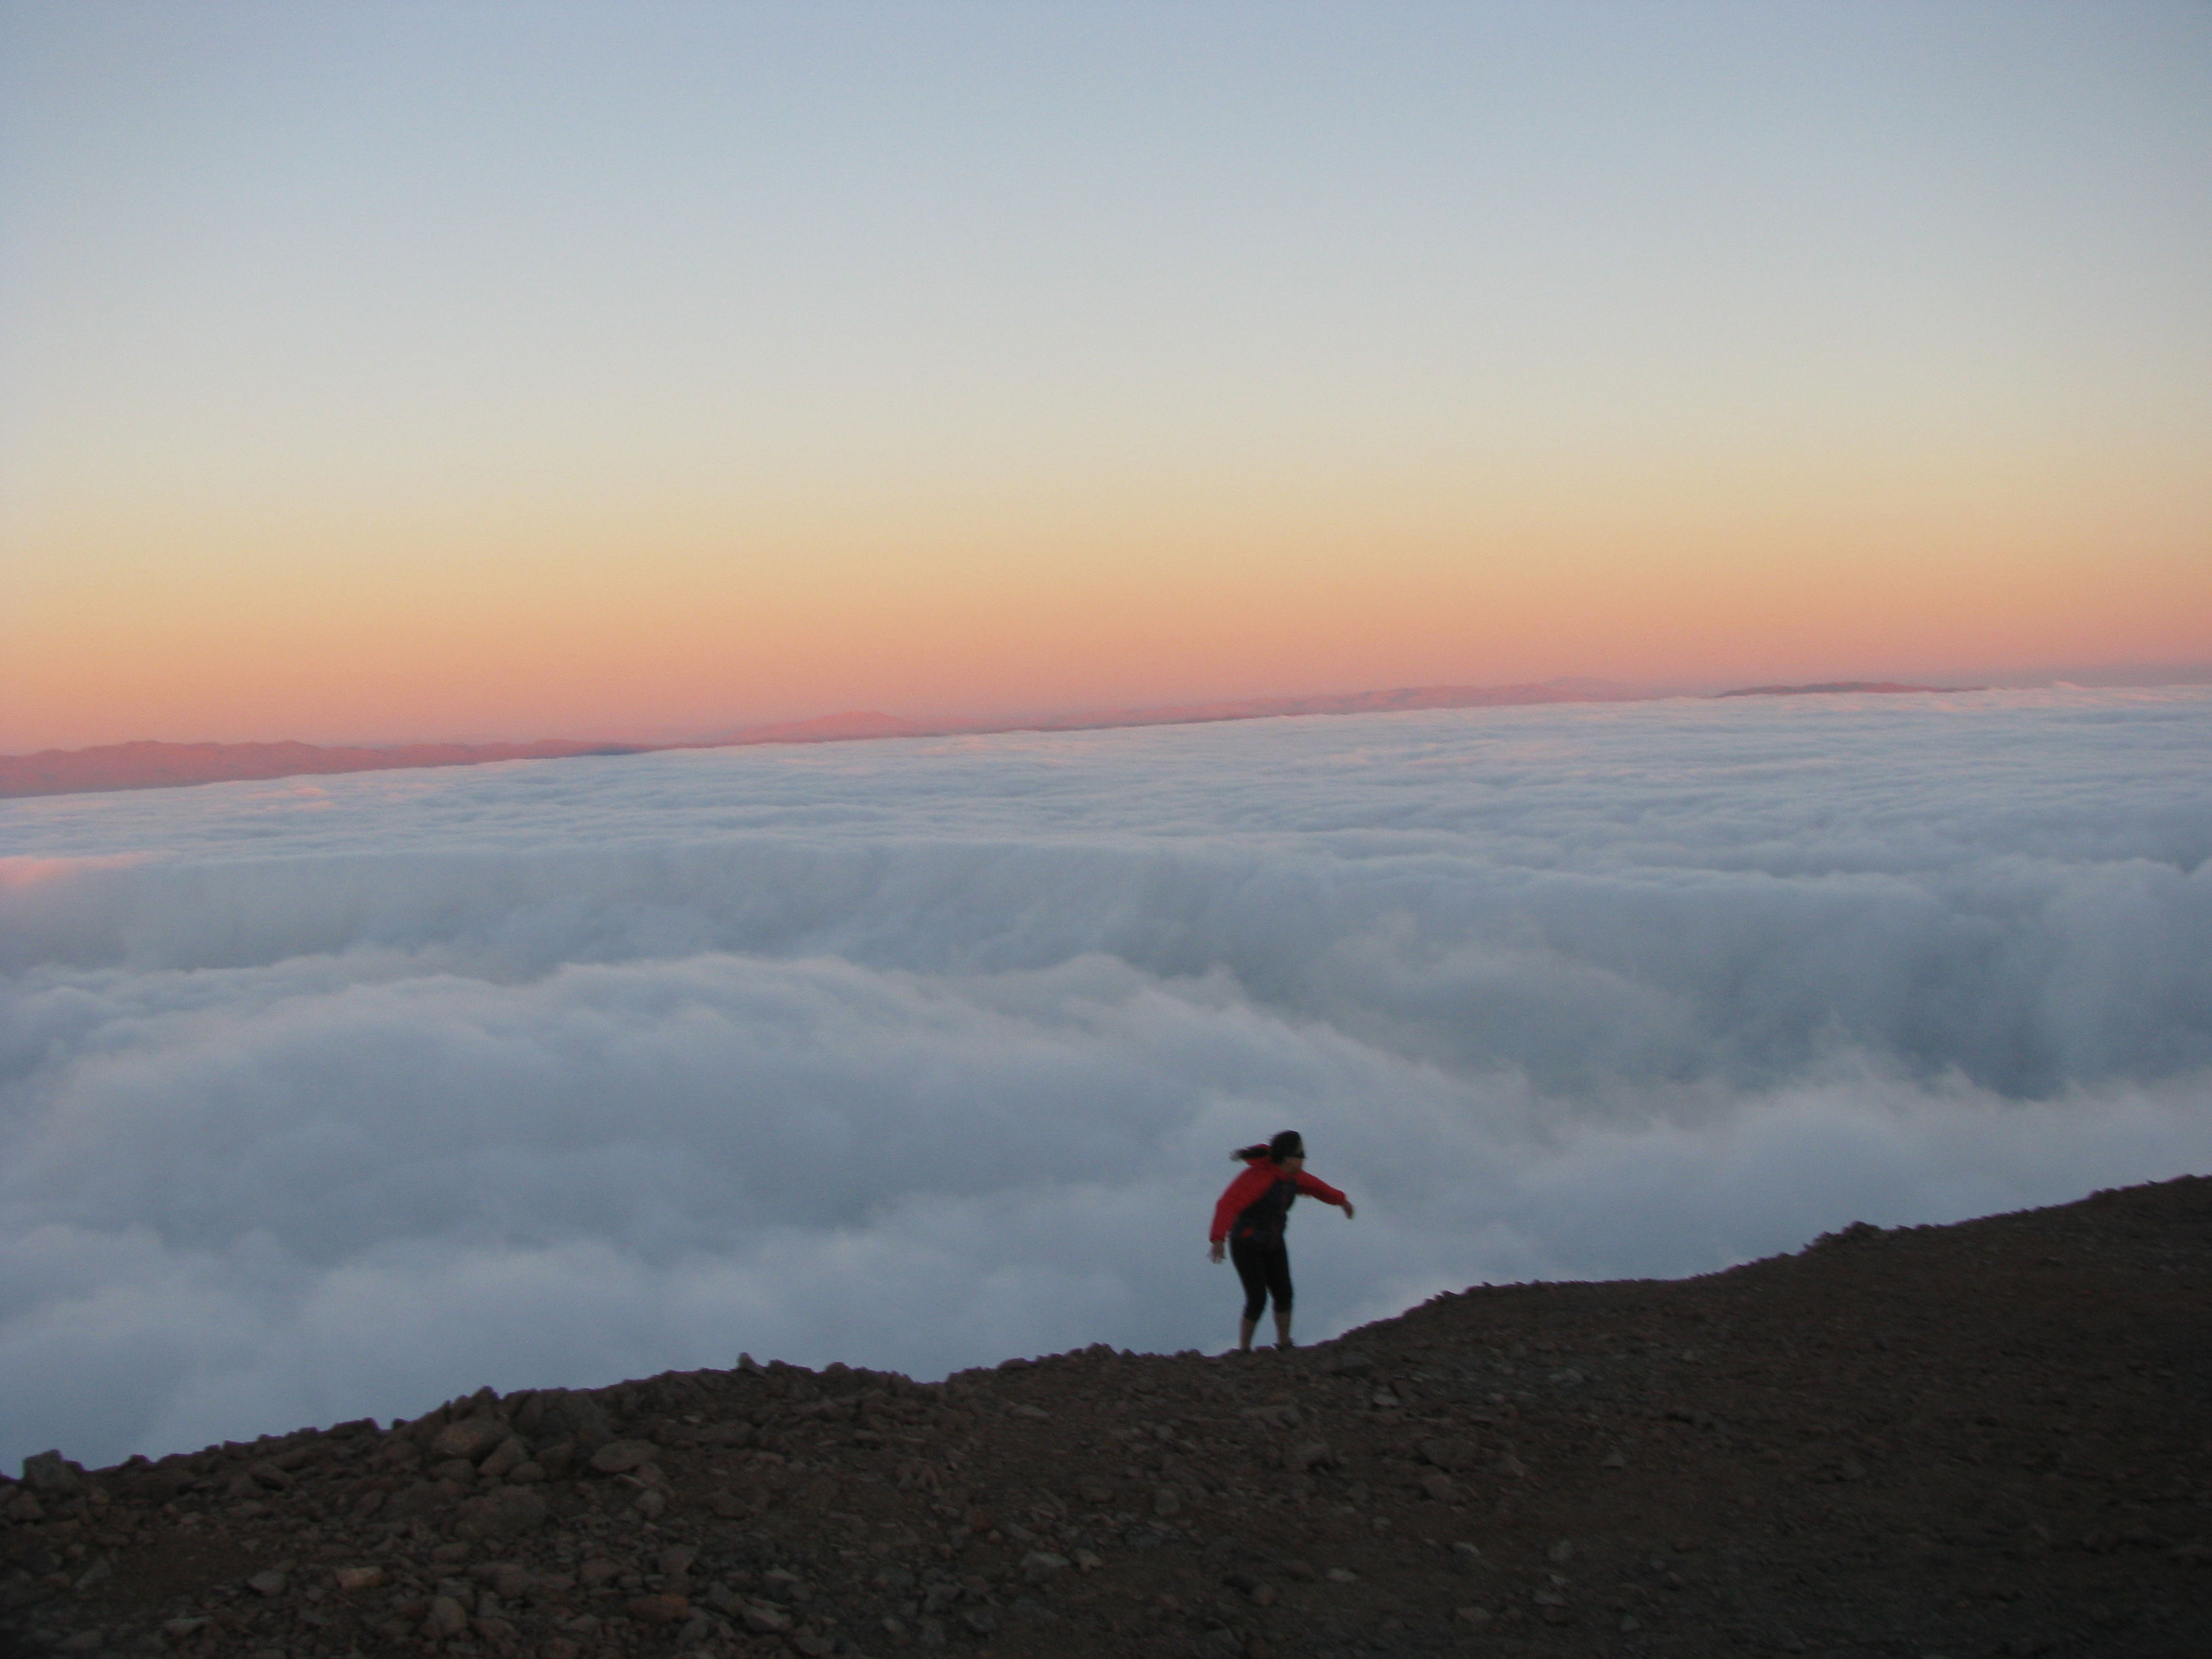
x,y
1982,1439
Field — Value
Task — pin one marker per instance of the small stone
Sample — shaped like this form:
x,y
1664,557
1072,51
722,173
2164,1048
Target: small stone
x,y
1561,1552
471,1438
620,1456
1042,1564
49,1471
1439,1486
501,1513
659,1609
1468,1553
763,1620
271,1583
1628,1624
424,1497
1095,1489
1613,1460
1166,1502
808,1642
510,1454
1450,1454
1341,1576
360,1578
1308,1455
1089,1560
1476,1616
1512,1467
446,1617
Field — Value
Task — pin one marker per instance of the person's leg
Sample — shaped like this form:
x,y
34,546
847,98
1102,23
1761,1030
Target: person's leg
x,y
1279,1283
1253,1272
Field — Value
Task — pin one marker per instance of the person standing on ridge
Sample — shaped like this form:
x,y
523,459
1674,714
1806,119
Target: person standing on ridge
x,y
1251,1216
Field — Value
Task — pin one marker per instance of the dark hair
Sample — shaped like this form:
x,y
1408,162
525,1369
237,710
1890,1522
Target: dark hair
x,y
1289,1143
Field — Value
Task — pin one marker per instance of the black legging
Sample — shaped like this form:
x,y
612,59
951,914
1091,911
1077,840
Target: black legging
x,y
1264,1269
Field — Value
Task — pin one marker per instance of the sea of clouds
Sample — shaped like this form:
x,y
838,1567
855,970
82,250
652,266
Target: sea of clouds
x,y
329,1098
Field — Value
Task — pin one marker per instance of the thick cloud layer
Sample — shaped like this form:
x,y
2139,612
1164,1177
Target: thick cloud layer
x,y
329,1099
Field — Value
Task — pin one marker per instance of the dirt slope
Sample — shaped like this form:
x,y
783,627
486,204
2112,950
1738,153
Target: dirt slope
x,y
1991,1439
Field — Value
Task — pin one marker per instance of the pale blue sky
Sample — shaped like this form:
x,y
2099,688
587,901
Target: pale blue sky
x,y
766,269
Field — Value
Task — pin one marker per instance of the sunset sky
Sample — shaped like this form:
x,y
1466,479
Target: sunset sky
x,y
393,371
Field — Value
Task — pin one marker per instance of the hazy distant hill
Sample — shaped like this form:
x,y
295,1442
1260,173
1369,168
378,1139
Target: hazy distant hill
x,y
159,765
1834,686
1355,703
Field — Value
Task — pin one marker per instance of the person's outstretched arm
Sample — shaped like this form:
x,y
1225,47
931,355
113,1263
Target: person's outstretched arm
x,y
1314,1187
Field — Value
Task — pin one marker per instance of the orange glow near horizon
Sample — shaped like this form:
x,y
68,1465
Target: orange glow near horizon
x,y
653,626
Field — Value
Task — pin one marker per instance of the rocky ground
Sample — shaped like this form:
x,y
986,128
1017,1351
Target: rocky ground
x,y
1990,1438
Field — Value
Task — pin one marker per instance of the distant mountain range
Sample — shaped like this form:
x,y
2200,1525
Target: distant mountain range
x,y
149,765
1834,686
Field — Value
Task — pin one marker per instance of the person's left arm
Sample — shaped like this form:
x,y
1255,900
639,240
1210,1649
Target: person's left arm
x,y
1314,1187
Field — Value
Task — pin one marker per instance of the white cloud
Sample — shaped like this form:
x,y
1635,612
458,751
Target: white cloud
x,y
315,1106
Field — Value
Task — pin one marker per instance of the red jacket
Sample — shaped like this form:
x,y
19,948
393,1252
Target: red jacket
x,y
1259,1175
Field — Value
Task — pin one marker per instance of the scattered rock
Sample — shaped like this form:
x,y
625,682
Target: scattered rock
x,y
501,1514
469,1440
446,1617
659,1609
1309,1455
1450,1454
620,1456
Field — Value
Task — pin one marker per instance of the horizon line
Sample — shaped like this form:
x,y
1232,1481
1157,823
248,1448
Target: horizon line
x,y
171,763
